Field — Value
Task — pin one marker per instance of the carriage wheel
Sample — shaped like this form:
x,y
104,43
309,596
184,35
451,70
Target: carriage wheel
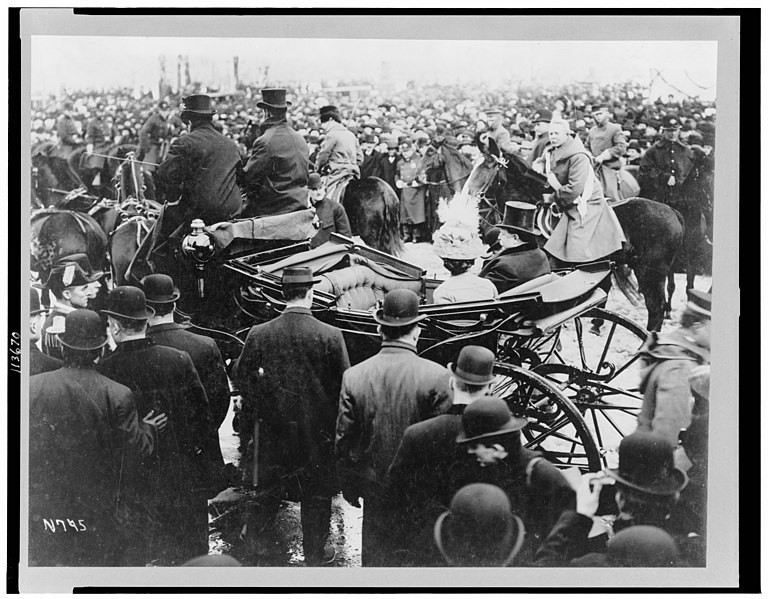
x,y
556,427
600,375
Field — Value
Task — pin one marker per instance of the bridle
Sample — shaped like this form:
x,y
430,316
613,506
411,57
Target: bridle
x,y
498,162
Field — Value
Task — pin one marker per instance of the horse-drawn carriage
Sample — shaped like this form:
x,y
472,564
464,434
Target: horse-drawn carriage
x,y
574,387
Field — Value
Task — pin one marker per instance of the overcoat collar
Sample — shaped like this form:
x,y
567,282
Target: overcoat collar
x,y
164,326
396,347
570,148
297,310
134,345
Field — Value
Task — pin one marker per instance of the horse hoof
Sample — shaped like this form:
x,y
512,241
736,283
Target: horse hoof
x,y
595,330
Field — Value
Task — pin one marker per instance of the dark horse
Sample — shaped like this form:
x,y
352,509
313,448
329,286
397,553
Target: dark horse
x,y
374,214
654,231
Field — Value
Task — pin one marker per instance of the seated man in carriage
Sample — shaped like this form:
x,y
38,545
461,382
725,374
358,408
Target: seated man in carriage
x,y
277,172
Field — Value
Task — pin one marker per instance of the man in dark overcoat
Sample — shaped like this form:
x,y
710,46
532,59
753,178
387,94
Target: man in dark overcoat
x,y
331,216
520,259
290,370
161,295
201,171
153,133
67,132
371,157
38,361
85,433
388,165
418,478
175,481
277,171
380,398
98,139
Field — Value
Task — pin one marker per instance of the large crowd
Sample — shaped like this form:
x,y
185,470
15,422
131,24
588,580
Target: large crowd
x,y
437,460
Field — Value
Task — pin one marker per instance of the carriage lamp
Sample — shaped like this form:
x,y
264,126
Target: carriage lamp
x,y
198,246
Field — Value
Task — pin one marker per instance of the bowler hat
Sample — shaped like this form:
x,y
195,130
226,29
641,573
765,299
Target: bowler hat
x,y
399,309
634,145
159,289
699,302
34,302
128,302
474,366
488,417
314,181
197,104
642,546
479,528
670,121
298,275
542,116
83,330
518,216
273,97
646,463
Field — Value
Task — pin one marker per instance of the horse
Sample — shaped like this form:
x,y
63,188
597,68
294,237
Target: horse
x,y
654,231
374,214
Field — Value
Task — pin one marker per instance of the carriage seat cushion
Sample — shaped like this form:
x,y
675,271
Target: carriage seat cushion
x,y
359,287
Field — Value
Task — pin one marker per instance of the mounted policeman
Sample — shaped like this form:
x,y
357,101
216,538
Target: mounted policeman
x,y
340,155
277,172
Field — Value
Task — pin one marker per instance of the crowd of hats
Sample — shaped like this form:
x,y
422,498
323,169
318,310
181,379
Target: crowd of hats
x,y
416,115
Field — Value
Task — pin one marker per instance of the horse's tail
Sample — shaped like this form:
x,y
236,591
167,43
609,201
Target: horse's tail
x,y
627,284
391,242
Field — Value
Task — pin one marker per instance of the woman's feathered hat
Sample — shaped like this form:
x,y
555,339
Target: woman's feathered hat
x,y
458,238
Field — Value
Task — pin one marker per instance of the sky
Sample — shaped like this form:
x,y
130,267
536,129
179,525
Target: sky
x,y
95,62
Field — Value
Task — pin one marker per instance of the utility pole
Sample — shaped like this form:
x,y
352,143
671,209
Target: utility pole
x,y
236,69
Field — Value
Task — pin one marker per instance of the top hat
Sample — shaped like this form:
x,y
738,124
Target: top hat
x,y
34,302
399,309
642,546
474,366
542,116
197,104
646,463
488,417
479,528
83,330
670,121
298,275
699,302
159,289
369,138
328,109
128,302
273,97
518,217
392,143
314,181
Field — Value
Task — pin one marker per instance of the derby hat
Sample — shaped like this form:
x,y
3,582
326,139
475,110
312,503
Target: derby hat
x,y
542,116
197,104
159,289
34,302
128,302
479,528
699,302
474,365
298,275
488,417
399,309
83,330
646,463
670,121
518,217
314,181
642,546
273,97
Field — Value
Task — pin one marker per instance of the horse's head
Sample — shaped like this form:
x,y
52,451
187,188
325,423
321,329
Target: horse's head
x,y
485,169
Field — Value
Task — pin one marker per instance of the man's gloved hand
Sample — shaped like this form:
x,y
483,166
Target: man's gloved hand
x,y
399,184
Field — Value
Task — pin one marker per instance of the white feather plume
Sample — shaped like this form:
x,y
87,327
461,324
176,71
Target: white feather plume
x,y
458,236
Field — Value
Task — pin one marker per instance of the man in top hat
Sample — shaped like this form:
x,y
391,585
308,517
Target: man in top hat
x,y
418,480
153,134
277,171
38,361
161,295
541,120
666,165
370,165
175,483
85,435
667,363
607,144
74,284
499,133
520,259
633,155
388,164
290,371
380,398
340,154
201,173
330,214
479,529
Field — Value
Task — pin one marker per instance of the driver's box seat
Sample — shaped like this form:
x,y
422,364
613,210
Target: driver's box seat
x,y
361,286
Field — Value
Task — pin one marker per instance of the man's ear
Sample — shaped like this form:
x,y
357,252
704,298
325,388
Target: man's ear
x,y
66,294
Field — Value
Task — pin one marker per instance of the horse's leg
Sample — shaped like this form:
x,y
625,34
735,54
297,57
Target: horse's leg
x,y
670,293
651,285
